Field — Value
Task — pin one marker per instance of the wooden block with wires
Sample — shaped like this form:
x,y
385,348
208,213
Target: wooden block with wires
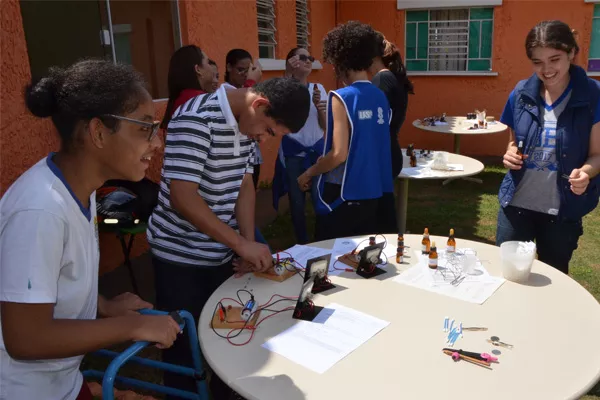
x,y
231,318
350,259
279,272
274,277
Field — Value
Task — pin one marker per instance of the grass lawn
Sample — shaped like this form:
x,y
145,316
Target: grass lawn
x,y
468,207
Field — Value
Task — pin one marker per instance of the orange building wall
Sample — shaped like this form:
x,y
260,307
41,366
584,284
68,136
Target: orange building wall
x,y
457,95
24,139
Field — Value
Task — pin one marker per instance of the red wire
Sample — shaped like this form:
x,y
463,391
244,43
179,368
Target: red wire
x,y
293,261
266,305
340,269
253,328
234,300
269,316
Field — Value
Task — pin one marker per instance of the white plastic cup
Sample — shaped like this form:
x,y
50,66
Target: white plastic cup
x,y
516,266
469,261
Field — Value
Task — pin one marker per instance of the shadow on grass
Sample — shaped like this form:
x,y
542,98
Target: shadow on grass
x,y
459,205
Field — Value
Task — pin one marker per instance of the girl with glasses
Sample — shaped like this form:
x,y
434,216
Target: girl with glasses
x,y
49,250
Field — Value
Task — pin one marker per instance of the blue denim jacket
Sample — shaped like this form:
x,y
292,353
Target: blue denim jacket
x,y
573,131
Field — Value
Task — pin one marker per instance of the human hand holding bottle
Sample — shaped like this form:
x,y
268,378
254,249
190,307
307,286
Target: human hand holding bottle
x,y
513,158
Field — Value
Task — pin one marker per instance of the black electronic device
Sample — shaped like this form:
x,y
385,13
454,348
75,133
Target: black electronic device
x,y
369,257
305,309
318,267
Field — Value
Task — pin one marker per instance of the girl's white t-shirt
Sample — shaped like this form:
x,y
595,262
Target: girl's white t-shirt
x,y
49,253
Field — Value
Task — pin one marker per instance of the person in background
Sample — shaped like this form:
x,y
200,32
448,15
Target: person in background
x,y
190,74
49,249
240,70
298,151
355,170
389,74
553,179
215,81
206,204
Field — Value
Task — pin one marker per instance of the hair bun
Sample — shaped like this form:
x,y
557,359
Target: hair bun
x,y
41,97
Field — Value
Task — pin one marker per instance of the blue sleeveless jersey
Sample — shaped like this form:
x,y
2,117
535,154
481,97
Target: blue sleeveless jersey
x,y
367,172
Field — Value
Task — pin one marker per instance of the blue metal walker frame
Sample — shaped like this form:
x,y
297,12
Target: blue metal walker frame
x,y
109,377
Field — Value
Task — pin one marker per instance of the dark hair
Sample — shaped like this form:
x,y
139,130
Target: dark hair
x,y
289,101
233,57
350,46
212,62
87,89
292,53
554,34
392,59
182,75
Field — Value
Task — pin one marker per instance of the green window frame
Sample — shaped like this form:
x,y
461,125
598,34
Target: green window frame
x,y
449,40
594,54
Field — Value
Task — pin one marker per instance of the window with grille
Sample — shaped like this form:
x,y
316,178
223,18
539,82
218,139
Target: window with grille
x,y
594,56
453,40
265,15
302,24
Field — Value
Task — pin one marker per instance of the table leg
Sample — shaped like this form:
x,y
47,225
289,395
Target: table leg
x,y
457,151
456,144
126,254
402,205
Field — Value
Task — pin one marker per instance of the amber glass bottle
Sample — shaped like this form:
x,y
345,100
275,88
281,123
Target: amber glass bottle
x,y
451,246
425,243
433,257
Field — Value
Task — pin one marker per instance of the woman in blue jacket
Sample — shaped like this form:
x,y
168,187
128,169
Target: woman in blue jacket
x,y
554,119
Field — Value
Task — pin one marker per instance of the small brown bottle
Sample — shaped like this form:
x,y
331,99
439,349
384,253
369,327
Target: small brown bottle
x,y
400,254
425,243
413,160
371,240
520,148
433,257
451,245
400,239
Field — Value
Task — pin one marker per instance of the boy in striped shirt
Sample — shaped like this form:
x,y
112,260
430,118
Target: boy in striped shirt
x,y
206,204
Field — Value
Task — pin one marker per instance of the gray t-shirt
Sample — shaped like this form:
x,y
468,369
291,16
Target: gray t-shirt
x,y
538,190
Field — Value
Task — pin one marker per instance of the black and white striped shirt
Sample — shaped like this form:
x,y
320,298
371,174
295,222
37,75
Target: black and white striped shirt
x,y
201,148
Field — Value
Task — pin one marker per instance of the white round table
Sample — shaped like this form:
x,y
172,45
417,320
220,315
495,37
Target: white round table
x,y
471,167
552,322
458,126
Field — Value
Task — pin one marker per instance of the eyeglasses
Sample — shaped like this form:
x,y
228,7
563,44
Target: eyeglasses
x,y
153,126
304,57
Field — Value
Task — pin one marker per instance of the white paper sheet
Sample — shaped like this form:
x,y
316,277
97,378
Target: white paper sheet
x,y
302,254
456,167
417,172
336,332
475,288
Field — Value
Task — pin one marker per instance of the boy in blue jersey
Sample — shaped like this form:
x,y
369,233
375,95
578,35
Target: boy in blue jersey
x,y
355,170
